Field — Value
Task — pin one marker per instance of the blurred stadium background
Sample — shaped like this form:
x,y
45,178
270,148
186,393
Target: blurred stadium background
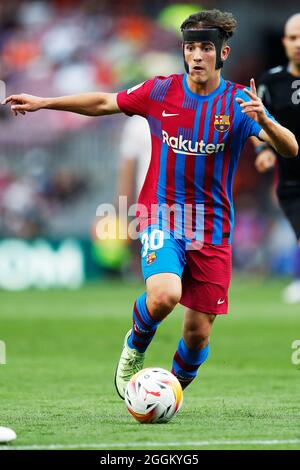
x,y
56,168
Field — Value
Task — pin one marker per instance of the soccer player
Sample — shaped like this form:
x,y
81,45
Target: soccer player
x,y
199,123
279,89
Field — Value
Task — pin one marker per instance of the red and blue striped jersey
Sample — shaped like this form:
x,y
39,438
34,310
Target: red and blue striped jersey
x,y
196,144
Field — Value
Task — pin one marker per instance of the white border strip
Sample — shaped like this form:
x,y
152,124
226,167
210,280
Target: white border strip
x,y
125,445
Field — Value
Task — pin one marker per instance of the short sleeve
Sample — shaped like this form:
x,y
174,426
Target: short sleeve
x,y
249,126
252,128
135,100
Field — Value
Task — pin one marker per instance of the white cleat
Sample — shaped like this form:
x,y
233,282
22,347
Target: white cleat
x,y
291,294
131,362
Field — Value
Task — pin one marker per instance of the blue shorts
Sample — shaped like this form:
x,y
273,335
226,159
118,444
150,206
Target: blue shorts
x,y
161,252
205,270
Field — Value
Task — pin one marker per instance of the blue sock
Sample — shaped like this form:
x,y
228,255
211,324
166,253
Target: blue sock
x,y
187,362
143,328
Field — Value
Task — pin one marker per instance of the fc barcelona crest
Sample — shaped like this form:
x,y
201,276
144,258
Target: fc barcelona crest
x,y
151,258
222,122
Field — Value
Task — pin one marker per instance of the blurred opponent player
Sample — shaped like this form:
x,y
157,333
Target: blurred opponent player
x,y
199,124
279,89
135,155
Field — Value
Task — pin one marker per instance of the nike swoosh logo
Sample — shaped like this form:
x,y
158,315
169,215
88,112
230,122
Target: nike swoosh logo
x,y
220,301
164,114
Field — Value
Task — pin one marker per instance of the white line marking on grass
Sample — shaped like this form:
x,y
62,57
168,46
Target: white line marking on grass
x,y
125,445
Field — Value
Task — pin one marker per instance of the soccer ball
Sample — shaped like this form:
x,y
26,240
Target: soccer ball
x,y
153,395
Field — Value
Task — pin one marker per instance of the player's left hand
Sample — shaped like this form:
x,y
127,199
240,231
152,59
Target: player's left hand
x,y
253,108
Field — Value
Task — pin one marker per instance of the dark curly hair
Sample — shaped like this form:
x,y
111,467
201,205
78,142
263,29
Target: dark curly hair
x,y
212,19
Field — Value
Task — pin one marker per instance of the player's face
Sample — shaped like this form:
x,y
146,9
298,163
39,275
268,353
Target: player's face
x,y
201,59
291,41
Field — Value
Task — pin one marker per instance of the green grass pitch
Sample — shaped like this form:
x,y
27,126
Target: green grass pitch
x,y
57,388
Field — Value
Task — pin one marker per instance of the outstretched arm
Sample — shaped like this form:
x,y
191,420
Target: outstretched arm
x,y
281,139
89,104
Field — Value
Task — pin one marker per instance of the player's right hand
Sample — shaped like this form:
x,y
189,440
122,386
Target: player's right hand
x,y
23,103
265,160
